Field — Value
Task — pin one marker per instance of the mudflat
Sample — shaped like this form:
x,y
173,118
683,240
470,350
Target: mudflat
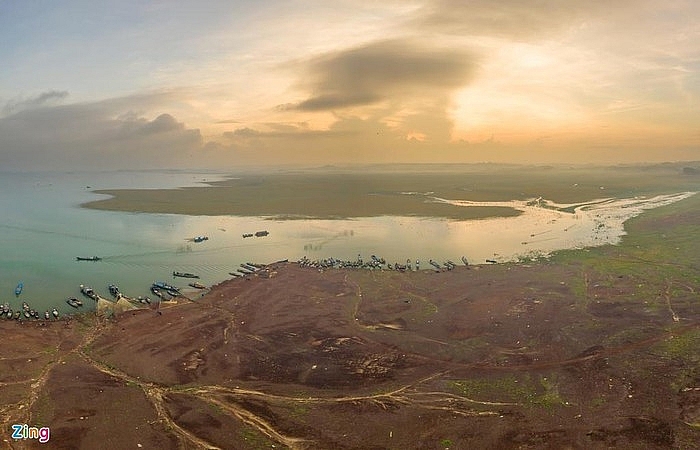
x,y
328,194
588,349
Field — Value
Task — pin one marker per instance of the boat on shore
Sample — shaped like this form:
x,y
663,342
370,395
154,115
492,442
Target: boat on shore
x,y
18,289
197,285
88,258
185,275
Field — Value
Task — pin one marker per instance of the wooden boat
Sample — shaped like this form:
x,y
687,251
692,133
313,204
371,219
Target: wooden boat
x,y
88,292
47,316
464,260
74,302
55,313
197,285
261,233
114,290
18,289
185,275
88,258
172,290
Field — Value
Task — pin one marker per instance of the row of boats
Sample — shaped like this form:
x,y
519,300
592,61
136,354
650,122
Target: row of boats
x,y
26,313
375,263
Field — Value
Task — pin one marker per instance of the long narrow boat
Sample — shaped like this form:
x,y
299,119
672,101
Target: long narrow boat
x,y
18,289
88,258
185,275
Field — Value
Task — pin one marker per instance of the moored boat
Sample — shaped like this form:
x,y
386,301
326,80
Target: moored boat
x,y
185,275
54,312
197,285
47,316
88,292
88,258
172,290
18,289
114,290
74,302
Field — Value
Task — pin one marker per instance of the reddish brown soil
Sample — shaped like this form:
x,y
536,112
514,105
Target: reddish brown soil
x,y
505,356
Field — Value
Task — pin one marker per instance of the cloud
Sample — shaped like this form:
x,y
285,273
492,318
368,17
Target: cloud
x,y
42,99
380,71
106,135
513,19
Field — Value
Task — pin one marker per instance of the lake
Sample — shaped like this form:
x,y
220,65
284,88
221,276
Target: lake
x,y
43,229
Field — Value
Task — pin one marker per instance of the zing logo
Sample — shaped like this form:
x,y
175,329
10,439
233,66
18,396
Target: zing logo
x,y
24,431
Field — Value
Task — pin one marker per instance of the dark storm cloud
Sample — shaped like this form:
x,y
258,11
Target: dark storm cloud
x,y
387,70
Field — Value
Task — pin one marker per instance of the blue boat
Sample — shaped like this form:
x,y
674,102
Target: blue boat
x,y
18,289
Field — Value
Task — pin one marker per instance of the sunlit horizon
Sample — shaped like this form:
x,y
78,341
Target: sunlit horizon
x,y
237,84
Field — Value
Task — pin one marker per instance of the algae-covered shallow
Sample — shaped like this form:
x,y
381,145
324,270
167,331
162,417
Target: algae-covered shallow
x,y
405,191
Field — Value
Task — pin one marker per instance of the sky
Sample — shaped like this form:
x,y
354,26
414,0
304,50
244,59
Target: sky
x,y
230,84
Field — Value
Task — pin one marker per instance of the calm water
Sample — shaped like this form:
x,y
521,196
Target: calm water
x,y
42,230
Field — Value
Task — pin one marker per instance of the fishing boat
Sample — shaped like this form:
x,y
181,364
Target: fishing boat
x,y
18,289
88,292
261,233
114,290
464,260
55,313
185,275
197,285
74,302
9,314
247,235
200,239
47,316
144,300
88,258
172,290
